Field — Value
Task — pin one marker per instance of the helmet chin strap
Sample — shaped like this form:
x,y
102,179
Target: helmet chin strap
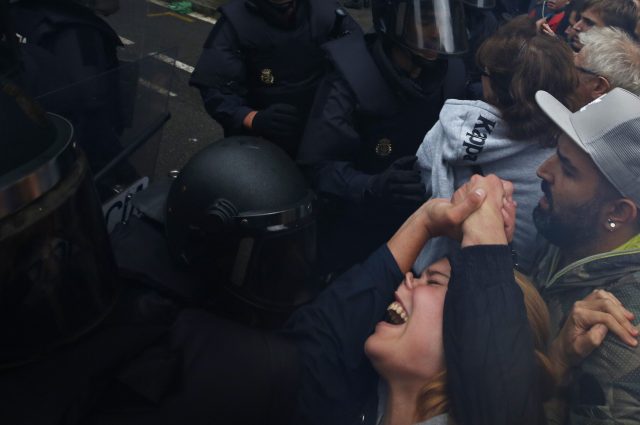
x,y
420,60
413,64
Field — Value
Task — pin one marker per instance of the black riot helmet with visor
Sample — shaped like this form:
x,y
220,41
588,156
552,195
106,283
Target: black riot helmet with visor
x,y
428,28
240,214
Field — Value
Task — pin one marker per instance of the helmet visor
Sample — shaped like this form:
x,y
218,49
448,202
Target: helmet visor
x,y
273,270
431,27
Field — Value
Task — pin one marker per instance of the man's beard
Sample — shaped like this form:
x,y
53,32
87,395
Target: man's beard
x,y
576,226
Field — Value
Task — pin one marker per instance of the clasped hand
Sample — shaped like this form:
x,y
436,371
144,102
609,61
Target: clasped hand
x,y
481,212
586,326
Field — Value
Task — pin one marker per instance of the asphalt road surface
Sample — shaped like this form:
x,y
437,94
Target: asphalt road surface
x,y
145,27
149,26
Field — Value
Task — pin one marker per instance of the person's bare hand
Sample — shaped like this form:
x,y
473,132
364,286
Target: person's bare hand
x,y
586,327
509,217
445,217
487,224
544,28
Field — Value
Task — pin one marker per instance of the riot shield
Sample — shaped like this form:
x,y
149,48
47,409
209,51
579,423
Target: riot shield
x,y
56,269
118,118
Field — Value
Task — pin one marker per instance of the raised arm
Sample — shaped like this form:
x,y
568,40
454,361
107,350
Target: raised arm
x,y
489,349
337,378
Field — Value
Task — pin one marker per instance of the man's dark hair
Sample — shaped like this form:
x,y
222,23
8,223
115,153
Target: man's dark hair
x,y
621,14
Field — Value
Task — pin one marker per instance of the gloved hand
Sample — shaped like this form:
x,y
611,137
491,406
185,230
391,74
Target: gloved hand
x,y
399,183
278,120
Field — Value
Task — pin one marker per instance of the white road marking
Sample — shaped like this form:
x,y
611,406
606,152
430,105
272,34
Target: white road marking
x,y
196,15
156,88
171,61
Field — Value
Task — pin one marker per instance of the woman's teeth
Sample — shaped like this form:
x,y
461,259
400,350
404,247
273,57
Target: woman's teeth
x,y
396,313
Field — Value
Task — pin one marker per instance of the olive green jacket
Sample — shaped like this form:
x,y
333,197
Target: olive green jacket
x,y
605,387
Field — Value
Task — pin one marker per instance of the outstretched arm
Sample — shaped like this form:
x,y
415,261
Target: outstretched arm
x,y
489,349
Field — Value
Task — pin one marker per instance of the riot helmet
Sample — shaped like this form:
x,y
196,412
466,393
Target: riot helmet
x,y
56,268
241,215
425,27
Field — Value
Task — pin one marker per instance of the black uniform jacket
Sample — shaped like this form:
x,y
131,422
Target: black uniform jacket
x,y
367,114
248,63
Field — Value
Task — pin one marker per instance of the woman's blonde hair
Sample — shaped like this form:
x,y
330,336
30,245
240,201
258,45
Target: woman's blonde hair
x,y
433,398
539,321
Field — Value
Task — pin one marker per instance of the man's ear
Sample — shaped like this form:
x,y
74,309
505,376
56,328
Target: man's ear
x,y
623,211
600,86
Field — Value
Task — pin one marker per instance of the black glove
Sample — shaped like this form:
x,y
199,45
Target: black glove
x,y
279,120
399,183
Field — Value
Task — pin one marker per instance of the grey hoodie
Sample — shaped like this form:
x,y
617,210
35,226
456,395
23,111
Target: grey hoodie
x,y
471,138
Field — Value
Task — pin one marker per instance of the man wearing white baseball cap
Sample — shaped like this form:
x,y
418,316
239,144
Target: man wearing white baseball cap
x,y
589,214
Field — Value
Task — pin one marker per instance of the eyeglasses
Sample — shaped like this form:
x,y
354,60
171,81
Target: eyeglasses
x,y
587,71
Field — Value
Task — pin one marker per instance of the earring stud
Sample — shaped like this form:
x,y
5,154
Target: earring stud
x,y
612,224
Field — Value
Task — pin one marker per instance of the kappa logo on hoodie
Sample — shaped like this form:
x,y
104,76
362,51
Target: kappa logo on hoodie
x,y
474,142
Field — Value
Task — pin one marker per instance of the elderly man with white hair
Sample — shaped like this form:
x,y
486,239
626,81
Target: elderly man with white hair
x,y
610,58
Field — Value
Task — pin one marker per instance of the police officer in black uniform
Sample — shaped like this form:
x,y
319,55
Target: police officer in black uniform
x,y
71,31
481,22
369,117
240,243
84,80
262,63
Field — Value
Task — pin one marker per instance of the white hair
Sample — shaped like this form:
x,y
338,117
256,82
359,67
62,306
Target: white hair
x,y
611,53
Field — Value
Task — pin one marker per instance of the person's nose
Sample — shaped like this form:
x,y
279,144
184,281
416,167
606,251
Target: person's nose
x,y
408,280
544,170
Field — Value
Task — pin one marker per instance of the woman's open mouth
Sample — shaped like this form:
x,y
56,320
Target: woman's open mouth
x,y
396,314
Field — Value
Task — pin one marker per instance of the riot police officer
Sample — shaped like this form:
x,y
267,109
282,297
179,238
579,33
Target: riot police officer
x,y
85,50
262,63
481,22
71,31
239,243
371,114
